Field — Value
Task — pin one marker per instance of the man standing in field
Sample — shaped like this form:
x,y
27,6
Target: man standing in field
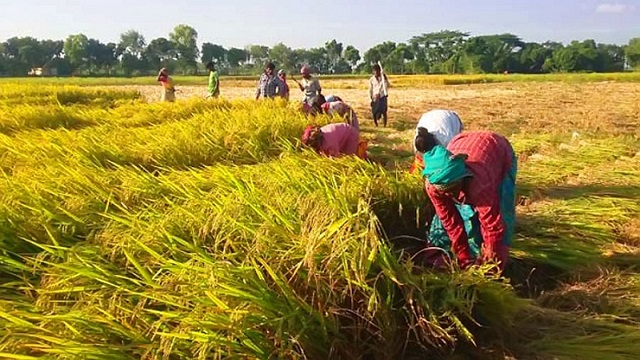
x,y
378,85
310,86
269,85
214,81
479,169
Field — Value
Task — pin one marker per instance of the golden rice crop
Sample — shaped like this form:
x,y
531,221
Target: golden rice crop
x,y
358,81
21,93
202,230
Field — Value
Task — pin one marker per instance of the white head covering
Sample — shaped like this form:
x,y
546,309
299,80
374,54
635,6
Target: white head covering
x,y
444,125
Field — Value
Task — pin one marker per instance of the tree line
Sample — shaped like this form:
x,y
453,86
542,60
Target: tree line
x,y
443,52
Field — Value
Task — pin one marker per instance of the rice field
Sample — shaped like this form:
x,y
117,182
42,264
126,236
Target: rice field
x,y
132,229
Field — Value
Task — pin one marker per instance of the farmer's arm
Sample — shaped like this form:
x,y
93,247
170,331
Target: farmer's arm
x,y
491,224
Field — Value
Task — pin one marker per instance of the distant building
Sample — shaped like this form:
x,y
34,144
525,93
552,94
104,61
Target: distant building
x,y
43,71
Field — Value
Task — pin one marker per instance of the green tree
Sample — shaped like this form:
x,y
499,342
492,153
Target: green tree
x,y
333,51
52,48
315,58
236,57
185,39
352,56
503,49
377,53
437,51
282,55
75,50
587,55
259,54
532,58
476,56
100,57
131,49
24,53
159,53
213,52
633,52
396,61
132,43
563,60
610,58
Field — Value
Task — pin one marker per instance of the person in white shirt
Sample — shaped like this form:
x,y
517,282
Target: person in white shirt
x,y
310,86
378,85
441,125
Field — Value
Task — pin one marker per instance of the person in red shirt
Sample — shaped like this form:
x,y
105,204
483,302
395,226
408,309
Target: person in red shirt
x,y
477,168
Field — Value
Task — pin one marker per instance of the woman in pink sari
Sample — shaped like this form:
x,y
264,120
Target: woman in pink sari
x,y
335,140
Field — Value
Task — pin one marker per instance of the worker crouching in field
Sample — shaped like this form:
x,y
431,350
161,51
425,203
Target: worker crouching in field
x,y
335,140
168,88
478,169
438,127
444,125
335,106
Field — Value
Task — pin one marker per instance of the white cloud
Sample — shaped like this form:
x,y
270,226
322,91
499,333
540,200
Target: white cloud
x,y
614,8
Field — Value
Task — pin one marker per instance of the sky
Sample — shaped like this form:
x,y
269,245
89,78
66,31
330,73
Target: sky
x,y
299,23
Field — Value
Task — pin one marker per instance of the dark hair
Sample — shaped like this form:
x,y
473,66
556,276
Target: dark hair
x,y
377,67
270,66
210,65
424,141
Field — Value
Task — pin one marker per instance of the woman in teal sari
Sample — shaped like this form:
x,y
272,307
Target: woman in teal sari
x,y
440,169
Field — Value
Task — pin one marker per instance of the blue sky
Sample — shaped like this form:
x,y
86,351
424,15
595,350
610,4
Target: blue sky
x,y
300,23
